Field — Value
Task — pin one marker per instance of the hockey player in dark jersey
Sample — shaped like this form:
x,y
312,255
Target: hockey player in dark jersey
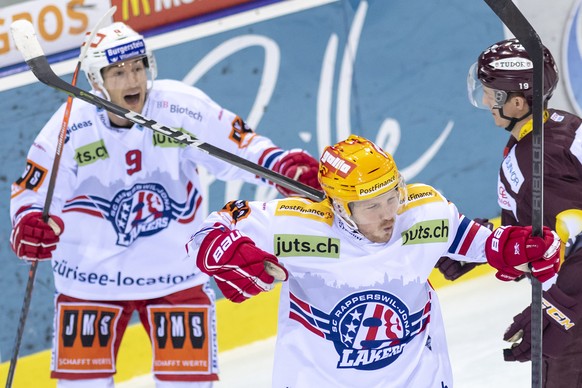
x,y
501,81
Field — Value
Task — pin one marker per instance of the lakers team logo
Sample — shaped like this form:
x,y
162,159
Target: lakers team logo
x,y
143,210
369,329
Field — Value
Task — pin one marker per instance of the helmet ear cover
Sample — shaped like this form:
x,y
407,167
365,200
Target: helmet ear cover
x,y
502,97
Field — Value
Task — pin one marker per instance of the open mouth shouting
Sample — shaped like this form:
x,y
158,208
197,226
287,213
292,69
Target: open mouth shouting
x,y
132,99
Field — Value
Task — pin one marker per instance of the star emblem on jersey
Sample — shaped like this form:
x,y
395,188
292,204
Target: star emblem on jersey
x,y
369,329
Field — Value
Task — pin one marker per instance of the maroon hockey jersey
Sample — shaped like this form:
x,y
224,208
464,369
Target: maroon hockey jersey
x,y
562,171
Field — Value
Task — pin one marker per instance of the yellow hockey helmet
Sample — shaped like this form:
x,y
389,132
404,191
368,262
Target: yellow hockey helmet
x,y
356,169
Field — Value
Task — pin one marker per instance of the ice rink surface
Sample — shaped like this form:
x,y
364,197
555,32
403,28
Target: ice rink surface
x,y
476,313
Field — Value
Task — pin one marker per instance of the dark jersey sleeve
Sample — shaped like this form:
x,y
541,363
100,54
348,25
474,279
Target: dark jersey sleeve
x,y
562,171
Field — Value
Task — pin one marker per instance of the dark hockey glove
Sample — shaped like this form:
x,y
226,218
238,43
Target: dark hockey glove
x,y
300,166
453,269
484,222
239,267
560,314
34,239
512,250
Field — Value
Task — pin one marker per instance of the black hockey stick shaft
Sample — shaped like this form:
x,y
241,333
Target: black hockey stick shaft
x,y
36,60
527,36
47,204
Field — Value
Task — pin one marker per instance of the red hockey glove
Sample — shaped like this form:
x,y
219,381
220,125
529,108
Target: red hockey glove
x,y
453,269
512,250
561,313
34,239
237,265
300,166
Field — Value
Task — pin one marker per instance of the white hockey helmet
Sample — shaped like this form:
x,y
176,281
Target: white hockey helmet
x,y
115,43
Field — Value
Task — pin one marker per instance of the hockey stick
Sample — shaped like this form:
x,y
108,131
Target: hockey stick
x,y
26,42
48,200
527,36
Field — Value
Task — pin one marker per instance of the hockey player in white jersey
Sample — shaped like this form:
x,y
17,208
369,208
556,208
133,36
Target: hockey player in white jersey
x,y
357,309
126,200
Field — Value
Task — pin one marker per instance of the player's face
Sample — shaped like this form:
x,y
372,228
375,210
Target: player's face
x,y
375,217
126,83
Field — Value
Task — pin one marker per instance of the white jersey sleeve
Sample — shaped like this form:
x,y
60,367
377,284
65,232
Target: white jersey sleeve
x,y
29,191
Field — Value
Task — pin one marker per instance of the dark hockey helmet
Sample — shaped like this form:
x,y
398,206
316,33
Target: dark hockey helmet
x,y
506,66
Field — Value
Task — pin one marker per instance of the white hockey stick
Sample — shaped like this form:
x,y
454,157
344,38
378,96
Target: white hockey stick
x,y
27,43
49,196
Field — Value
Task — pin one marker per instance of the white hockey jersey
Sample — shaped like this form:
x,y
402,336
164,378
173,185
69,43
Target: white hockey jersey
x,y
129,198
355,313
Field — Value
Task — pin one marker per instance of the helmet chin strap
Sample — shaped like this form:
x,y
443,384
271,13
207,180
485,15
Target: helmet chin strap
x,y
513,120
344,216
